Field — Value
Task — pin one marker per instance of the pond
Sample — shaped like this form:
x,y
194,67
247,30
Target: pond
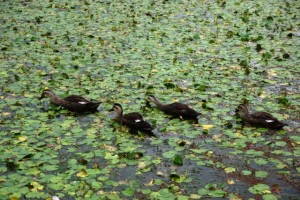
x,y
211,55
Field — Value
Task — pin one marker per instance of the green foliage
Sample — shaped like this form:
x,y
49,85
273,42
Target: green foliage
x,y
212,55
259,189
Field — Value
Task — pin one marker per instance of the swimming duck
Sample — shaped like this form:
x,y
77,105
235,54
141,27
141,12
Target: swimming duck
x,y
132,120
261,119
73,103
175,109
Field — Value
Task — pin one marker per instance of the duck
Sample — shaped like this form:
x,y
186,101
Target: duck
x,y
72,103
260,119
134,120
176,109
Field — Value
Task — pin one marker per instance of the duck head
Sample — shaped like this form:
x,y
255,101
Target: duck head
x,y
152,98
117,108
47,93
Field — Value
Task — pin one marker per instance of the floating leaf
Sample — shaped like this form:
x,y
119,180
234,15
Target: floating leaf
x,y
260,161
269,197
165,194
128,192
169,154
120,52
181,197
56,179
280,143
261,174
203,191
260,189
218,193
246,172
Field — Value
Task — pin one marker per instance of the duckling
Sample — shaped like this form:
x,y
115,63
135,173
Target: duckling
x,y
132,120
175,109
261,119
73,103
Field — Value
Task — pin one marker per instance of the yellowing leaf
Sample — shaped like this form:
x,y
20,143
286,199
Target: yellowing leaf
x,y
263,95
209,153
217,138
123,183
36,186
195,196
229,169
271,73
230,181
141,165
233,197
122,165
2,180
22,138
257,134
6,113
151,182
110,148
82,173
207,126
239,134
266,192
124,101
285,116
14,198
237,67
159,173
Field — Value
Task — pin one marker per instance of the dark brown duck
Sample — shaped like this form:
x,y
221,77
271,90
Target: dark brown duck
x,y
175,109
73,103
132,120
260,119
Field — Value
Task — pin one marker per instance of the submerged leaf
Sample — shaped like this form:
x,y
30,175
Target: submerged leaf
x,y
178,160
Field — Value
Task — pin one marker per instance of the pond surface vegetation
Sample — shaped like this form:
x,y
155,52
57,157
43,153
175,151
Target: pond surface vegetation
x,y
212,55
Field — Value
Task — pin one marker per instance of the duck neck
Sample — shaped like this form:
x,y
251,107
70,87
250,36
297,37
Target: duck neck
x,y
243,112
119,115
53,98
158,103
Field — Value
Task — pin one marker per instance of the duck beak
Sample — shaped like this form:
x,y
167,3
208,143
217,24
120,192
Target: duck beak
x,y
112,109
148,104
236,111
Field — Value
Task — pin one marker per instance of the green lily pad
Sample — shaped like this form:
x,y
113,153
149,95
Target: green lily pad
x,y
128,192
259,189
